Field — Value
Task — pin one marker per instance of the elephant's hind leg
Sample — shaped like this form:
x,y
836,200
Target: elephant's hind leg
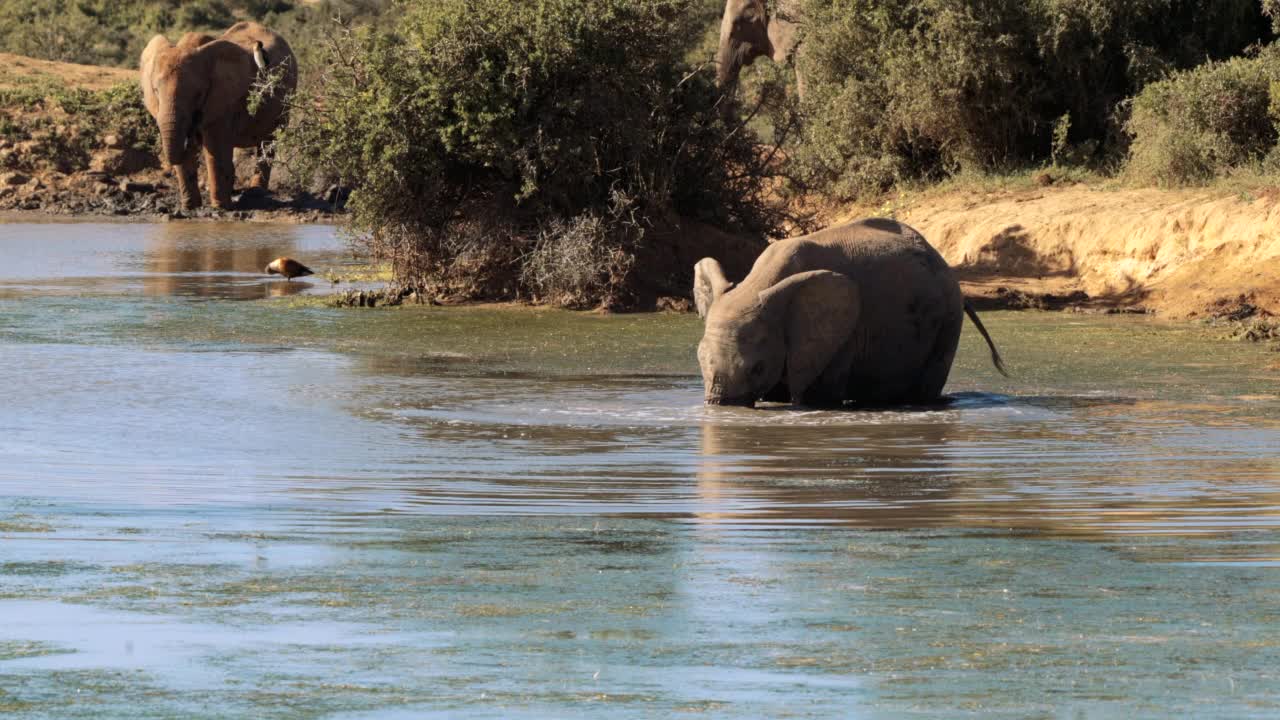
x,y
263,157
937,366
219,155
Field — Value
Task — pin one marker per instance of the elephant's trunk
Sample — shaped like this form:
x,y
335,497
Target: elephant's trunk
x,y
173,140
742,40
736,53
726,74
716,396
726,62
730,402
178,127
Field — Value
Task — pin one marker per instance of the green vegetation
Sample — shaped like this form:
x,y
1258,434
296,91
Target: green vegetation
x,y
1203,123
48,123
506,150
926,89
114,32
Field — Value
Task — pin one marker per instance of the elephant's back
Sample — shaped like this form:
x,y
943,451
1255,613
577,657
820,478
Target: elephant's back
x,y
912,308
885,257
880,240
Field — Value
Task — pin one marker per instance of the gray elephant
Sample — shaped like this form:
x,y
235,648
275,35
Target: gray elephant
x,y
753,28
866,312
198,92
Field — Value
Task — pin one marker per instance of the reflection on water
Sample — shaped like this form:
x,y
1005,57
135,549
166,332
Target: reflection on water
x,y
895,477
212,260
1081,466
302,511
216,264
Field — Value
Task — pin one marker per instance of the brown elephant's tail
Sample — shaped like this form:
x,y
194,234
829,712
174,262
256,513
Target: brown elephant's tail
x,y
995,354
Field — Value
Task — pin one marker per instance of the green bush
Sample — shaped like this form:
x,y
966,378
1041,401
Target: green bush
x,y
503,149
98,32
1204,122
921,89
114,32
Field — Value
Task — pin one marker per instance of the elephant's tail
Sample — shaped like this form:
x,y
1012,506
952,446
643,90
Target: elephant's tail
x,y
995,354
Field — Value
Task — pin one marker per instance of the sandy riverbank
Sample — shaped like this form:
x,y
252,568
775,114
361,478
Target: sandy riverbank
x,y
1174,253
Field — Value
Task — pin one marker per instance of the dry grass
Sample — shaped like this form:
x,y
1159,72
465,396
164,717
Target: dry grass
x,y
17,70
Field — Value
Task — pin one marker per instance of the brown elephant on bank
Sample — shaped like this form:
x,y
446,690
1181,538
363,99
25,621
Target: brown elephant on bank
x,y
198,93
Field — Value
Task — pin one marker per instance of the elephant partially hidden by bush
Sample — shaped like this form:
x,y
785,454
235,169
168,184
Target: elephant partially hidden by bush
x,y
750,29
866,312
198,92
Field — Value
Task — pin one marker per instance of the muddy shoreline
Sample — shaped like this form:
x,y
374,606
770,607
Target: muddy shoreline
x,y
998,268
152,197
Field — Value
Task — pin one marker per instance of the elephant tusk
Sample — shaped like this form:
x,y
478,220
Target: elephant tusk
x,y
260,57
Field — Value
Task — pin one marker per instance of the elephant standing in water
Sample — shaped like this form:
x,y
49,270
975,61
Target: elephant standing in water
x,y
198,93
752,29
866,312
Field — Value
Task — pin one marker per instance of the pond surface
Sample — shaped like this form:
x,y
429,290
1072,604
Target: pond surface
x,y
219,502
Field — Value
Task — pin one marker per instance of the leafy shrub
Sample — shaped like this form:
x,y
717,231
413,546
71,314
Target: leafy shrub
x,y
505,149
102,32
1203,122
114,32
920,89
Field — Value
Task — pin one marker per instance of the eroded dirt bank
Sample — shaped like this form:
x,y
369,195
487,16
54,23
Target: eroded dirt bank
x,y
1179,254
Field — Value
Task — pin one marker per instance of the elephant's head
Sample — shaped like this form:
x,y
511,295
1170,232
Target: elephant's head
x,y
756,339
750,29
187,86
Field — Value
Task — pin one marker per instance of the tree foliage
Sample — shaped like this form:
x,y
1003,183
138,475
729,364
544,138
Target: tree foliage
x,y
489,140
1204,122
114,32
926,88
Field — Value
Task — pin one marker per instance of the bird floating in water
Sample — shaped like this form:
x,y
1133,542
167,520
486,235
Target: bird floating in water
x,y
288,267
260,56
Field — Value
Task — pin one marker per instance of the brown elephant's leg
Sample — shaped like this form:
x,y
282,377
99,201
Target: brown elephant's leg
x,y
937,365
263,157
831,388
188,182
219,155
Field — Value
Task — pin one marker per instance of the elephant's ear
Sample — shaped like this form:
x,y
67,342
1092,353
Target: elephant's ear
x,y
231,74
709,283
818,312
147,68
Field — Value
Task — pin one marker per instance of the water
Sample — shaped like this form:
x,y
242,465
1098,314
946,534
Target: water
x,y
216,501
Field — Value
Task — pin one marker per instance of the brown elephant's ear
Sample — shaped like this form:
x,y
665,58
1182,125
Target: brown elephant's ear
x,y
709,283
231,73
817,312
147,68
